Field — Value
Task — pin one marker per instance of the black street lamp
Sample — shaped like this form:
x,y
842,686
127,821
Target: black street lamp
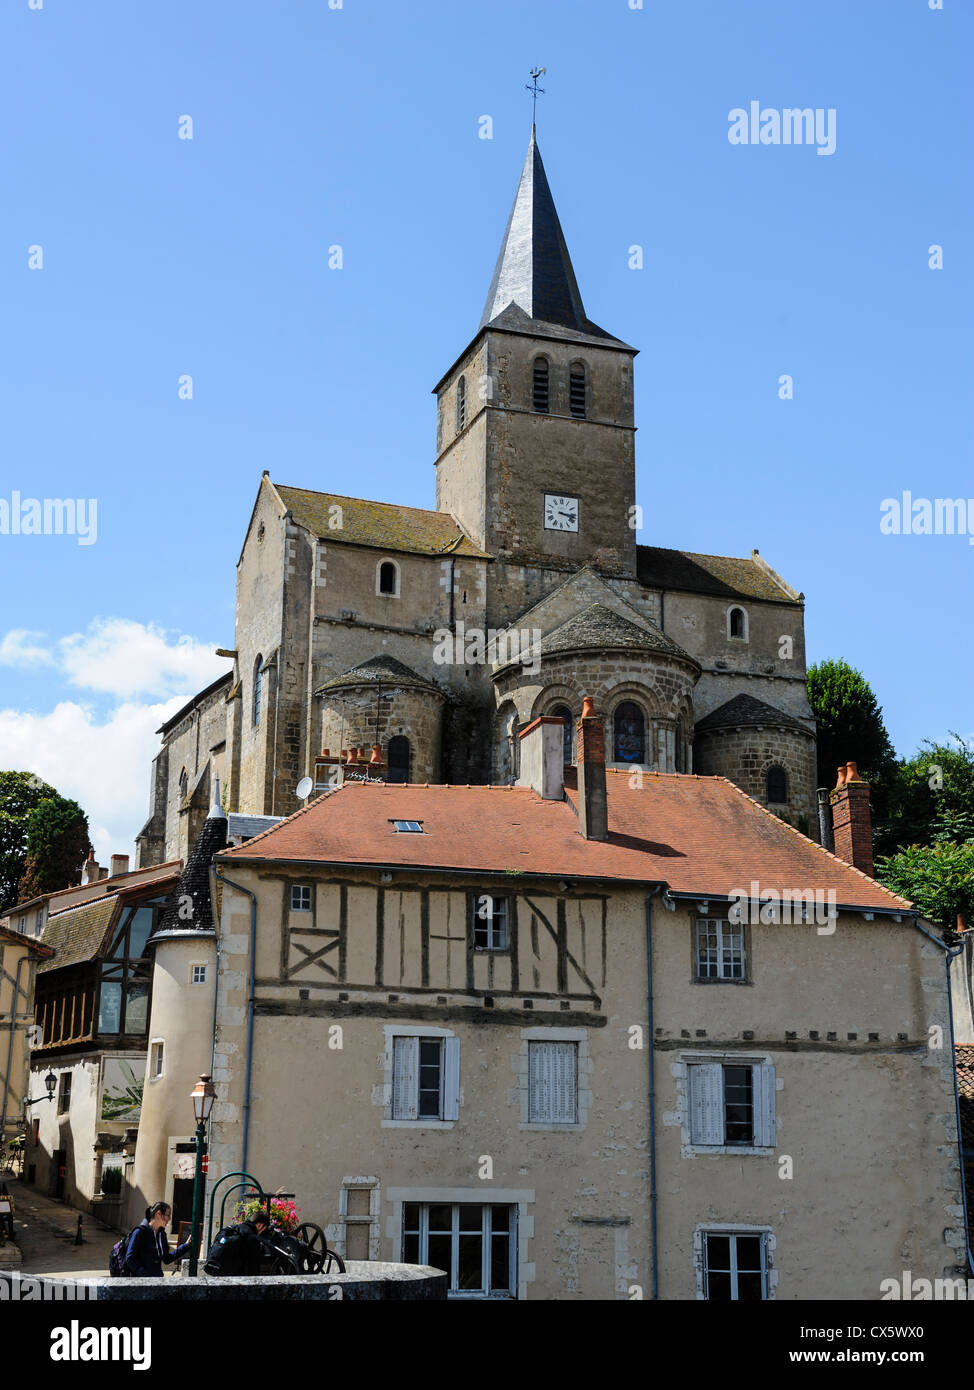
x,y
50,1081
203,1096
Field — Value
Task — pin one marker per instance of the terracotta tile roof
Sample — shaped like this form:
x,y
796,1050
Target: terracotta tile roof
x,y
725,575
744,709
697,834
379,524
77,933
965,1087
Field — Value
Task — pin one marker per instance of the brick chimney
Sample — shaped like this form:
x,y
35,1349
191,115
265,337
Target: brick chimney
x,y
120,865
851,820
542,744
593,814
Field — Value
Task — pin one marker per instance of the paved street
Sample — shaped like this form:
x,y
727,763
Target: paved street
x,y
45,1231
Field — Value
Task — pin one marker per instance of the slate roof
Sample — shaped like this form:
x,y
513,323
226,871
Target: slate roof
x,y
965,1087
195,882
241,826
385,670
724,575
382,525
78,933
744,709
534,270
697,834
600,628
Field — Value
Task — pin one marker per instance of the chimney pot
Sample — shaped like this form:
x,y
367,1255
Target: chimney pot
x,y
588,708
841,778
852,773
851,820
120,865
376,753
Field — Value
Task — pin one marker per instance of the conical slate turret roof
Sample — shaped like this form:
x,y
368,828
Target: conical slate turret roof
x,y
189,907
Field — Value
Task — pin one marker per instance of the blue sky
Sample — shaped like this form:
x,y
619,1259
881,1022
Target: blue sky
x,y
359,126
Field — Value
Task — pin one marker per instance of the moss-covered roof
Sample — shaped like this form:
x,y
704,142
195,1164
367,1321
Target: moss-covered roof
x,y
600,628
381,525
744,710
77,933
724,575
378,670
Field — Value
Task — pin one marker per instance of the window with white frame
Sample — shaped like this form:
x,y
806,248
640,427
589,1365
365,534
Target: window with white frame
x,y
156,1059
425,1078
198,974
732,1104
475,1243
300,897
720,953
490,924
553,1083
735,1266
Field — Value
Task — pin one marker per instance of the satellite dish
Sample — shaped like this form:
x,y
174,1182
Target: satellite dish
x,y
304,788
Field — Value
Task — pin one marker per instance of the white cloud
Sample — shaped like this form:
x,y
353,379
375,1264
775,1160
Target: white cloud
x,y
20,647
104,766
120,657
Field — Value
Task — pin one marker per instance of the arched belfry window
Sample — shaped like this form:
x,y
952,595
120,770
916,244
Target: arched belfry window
x,y
540,397
183,784
399,753
776,780
461,403
576,390
387,578
629,730
568,733
258,690
737,624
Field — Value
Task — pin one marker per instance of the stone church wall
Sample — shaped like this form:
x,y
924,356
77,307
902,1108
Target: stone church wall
x,y
744,755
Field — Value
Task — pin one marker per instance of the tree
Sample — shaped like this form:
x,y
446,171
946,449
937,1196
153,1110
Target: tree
x,y
20,794
938,878
57,847
931,790
850,723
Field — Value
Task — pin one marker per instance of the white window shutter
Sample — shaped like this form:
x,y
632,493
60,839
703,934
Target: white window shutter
x,y
405,1078
763,1091
539,1092
706,1103
451,1078
564,1082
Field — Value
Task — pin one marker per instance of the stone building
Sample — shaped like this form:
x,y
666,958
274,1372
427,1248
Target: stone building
x,y
438,634
465,1024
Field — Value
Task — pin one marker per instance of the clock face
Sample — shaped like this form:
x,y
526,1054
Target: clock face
x,y
560,513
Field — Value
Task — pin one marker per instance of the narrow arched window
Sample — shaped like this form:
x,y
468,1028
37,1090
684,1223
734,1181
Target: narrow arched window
x,y
388,578
776,780
680,751
629,725
563,712
258,690
576,390
461,403
183,784
399,752
737,623
541,385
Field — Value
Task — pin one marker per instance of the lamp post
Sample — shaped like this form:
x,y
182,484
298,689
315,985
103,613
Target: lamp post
x,y
202,1095
50,1081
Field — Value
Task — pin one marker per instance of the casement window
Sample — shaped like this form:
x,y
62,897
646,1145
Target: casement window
x,y
199,974
732,1104
64,1093
126,972
720,951
553,1083
156,1059
735,1266
490,923
475,1244
300,897
425,1078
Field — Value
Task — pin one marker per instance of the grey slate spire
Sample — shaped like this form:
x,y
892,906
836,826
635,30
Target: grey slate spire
x,y
534,270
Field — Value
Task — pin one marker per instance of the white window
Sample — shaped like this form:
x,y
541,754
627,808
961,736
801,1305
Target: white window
x,y
553,1083
408,827
425,1078
732,1104
720,949
735,1266
198,975
300,897
490,923
475,1244
156,1059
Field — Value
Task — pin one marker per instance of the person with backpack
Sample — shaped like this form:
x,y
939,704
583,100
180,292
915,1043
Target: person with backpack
x,y
147,1248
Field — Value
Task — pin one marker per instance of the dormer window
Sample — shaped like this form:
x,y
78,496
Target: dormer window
x,y
737,624
576,390
408,827
540,397
461,403
387,578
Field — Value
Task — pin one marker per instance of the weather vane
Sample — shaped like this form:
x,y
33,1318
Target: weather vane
x,y
534,89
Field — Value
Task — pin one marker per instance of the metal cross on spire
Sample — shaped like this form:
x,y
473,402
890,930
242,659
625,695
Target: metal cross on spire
x,y
534,89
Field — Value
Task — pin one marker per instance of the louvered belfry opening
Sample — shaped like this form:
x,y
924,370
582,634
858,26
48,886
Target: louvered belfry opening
x,y
461,404
576,391
541,385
